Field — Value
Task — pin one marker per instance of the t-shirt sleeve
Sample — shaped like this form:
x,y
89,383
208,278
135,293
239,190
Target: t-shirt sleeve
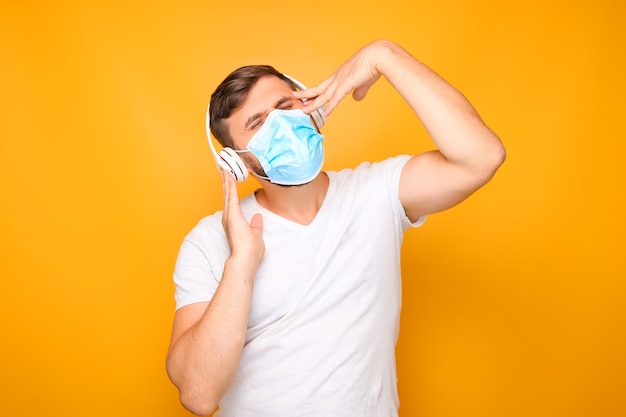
x,y
195,278
396,165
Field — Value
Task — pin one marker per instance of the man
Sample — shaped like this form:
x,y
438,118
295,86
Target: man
x,y
288,301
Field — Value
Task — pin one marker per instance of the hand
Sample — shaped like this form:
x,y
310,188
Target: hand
x,y
356,75
245,240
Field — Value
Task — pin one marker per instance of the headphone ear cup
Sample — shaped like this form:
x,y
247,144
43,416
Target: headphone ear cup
x,y
318,117
231,162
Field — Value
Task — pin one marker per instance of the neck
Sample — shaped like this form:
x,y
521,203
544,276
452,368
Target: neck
x,y
299,204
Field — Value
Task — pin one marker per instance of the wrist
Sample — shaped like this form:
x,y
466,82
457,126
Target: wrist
x,y
385,52
242,268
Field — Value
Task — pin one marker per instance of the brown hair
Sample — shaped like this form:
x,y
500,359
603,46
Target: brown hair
x,y
232,93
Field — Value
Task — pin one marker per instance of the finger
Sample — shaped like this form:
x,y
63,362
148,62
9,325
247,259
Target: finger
x,y
231,196
314,97
318,102
309,93
333,101
310,107
312,92
226,195
224,187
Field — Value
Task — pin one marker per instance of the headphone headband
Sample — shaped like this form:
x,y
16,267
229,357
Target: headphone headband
x,y
229,160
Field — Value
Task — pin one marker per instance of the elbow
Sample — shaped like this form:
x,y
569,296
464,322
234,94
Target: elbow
x,y
500,152
198,401
492,160
197,404
498,157
485,167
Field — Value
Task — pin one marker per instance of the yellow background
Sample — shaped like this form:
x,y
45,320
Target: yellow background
x,y
514,300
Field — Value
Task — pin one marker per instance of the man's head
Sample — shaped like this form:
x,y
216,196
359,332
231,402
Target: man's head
x,y
232,93
256,117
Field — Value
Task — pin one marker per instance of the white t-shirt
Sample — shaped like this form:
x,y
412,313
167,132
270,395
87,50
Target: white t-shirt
x,y
326,301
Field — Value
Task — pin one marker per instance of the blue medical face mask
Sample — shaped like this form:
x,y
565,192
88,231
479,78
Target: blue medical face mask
x,y
288,147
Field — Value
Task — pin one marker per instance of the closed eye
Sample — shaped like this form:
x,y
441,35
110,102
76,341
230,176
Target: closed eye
x,y
256,124
287,106
285,103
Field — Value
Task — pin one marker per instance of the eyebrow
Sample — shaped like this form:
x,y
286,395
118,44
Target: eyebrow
x,y
255,116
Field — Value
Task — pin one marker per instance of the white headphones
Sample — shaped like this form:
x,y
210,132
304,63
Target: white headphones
x,y
229,160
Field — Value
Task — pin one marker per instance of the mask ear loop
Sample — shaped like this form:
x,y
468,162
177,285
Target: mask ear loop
x,y
238,151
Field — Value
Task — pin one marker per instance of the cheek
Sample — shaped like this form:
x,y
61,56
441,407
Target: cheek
x,y
252,163
240,142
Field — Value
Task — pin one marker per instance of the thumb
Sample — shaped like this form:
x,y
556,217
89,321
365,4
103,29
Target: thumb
x,y
359,93
256,222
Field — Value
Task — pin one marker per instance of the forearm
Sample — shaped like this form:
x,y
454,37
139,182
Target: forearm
x,y
204,360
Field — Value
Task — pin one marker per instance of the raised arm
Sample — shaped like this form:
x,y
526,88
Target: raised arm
x,y
468,152
207,338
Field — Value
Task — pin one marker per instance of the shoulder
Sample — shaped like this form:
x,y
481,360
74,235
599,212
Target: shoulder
x,y
208,226
386,171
